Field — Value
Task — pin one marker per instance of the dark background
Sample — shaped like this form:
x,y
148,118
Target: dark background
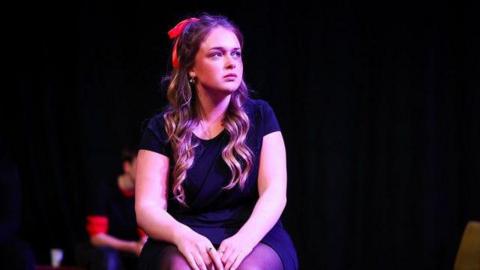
x,y
378,102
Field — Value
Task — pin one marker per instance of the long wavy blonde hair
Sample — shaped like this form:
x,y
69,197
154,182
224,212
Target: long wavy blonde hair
x,y
181,115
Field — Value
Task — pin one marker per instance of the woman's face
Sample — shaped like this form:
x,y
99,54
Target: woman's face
x,y
218,63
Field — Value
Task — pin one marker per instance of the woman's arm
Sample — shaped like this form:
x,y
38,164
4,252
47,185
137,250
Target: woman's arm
x,y
272,188
151,189
151,197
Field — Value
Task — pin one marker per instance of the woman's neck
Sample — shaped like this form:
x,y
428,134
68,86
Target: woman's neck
x,y
211,108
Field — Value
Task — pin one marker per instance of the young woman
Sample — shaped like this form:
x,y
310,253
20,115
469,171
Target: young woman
x,y
211,172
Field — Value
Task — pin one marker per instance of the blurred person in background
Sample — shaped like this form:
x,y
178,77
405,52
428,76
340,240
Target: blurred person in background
x,y
115,239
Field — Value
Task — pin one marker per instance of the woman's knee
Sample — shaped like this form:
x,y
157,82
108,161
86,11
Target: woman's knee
x,y
250,267
262,257
249,264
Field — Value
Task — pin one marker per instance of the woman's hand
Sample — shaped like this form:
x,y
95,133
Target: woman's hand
x,y
198,250
234,249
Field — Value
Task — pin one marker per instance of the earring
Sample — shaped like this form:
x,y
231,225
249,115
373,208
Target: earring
x,y
192,80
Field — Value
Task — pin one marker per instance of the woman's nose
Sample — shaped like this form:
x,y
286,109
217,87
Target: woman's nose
x,y
230,62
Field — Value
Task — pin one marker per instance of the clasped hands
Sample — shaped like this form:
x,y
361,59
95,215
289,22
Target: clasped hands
x,y
202,255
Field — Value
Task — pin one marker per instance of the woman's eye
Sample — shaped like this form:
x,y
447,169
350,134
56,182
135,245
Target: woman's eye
x,y
237,54
216,54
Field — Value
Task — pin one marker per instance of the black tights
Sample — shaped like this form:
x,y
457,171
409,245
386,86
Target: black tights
x,y
262,257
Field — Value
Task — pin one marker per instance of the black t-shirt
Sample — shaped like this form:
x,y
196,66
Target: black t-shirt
x,y
209,205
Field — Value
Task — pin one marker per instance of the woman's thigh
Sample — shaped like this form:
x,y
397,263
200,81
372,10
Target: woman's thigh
x,y
171,259
262,257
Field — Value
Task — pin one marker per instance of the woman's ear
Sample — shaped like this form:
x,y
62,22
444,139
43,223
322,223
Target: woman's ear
x,y
191,74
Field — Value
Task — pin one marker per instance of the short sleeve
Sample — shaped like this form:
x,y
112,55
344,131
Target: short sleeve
x,y
154,137
269,120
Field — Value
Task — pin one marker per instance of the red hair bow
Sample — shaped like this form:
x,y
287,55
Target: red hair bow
x,y
174,33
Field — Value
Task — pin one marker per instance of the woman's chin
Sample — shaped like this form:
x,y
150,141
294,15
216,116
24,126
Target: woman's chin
x,y
223,89
231,87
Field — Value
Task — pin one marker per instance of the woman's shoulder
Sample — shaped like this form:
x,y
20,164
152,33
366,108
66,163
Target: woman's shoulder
x,y
155,124
157,115
256,106
262,115
154,120
258,109
154,136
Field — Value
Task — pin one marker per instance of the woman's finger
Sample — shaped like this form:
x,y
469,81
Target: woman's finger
x,y
237,262
206,257
199,260
215,256
230,258
191,261
225,253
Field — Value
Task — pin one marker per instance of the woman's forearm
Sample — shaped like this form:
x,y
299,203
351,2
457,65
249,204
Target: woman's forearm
x,y
267,211
151,198
272,189
159,224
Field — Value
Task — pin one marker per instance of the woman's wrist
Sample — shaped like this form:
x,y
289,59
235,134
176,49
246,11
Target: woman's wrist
x,y
248,238
179,233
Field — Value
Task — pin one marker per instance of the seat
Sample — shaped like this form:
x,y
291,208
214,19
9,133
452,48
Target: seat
x,y
468,255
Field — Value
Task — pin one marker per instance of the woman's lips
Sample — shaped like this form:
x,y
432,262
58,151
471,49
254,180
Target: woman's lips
x,y
230,76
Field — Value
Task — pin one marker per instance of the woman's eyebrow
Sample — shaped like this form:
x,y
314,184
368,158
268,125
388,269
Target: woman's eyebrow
x,y
223,49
